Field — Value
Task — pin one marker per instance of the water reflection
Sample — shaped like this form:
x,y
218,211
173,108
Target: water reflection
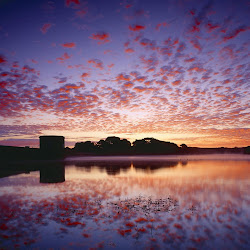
x,y
116,167
111,168
184,163
132,204
154,165
52,173
49,172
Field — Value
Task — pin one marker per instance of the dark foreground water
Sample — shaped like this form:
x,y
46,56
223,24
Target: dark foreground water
x,y
175,202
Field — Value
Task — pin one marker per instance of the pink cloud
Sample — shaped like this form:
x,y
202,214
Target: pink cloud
x,y
140,89
164,24
135,74
2,59
122,77
235,33
111,65
212,27
101,37
68,2
196,44
64,57
192,12
186,91
190,59
129,50
160,82
73,86
85,75
148,82
96,63
140,78
152,69
68,45
45,28
176,83
196,26
3,84
128,84
196,68
136,27
5,74
28,69
126,44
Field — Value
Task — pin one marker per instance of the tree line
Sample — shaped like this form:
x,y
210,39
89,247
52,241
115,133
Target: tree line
x,y
115,146
148,146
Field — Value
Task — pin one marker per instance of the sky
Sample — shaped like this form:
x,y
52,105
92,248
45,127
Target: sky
x,y
175,70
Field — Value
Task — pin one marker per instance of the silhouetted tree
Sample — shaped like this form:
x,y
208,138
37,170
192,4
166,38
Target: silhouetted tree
x,y
247,150
154,146
101,146
85,147
114,145
183,149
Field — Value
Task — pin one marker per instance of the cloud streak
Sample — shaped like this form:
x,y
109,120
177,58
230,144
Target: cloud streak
x,y
45,28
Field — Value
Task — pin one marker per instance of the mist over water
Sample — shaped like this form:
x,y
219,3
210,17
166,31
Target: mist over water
x,y
129,202
240,157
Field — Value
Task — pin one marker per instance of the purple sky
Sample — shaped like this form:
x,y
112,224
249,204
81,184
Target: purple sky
x,y
174,70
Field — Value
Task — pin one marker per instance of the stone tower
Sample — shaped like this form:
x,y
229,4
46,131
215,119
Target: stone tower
x,y
51,146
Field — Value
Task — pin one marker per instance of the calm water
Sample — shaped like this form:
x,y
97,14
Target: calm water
x,y
175,202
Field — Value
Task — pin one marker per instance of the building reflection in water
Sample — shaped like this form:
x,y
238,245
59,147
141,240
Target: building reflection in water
x,y
52,173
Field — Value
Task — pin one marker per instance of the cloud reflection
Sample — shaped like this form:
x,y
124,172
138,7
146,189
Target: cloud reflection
x,y
131,208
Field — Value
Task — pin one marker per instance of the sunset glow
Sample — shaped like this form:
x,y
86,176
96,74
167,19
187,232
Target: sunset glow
x,y
174,70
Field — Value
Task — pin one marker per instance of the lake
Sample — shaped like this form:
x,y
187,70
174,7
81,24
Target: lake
x,y
139,202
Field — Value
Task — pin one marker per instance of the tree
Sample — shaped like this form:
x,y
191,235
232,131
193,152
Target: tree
x,y
85,147
247,150
154,146
184,148
114,145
